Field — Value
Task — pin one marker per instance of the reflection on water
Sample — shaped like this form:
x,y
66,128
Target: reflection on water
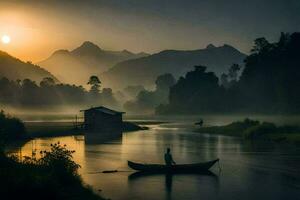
x,y
257,170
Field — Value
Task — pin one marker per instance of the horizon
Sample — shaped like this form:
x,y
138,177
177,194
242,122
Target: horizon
x,y
116,50
148,26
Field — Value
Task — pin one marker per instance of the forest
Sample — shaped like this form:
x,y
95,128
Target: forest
x,y
49,93
269,83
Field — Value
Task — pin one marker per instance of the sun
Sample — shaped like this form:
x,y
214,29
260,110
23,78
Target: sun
x,y
5,39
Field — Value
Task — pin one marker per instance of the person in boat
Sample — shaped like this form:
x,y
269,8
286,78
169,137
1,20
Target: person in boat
x,y
168,158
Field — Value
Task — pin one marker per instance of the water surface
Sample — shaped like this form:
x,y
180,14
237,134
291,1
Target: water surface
x,y
258,170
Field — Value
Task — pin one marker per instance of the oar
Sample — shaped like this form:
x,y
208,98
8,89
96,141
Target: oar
x,y
110,171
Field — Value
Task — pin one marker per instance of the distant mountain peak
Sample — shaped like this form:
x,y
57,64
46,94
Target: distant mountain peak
x,y
14,68
86,47
127,52
210,46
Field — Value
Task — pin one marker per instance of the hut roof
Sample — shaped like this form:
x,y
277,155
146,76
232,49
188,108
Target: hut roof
x,y
104,110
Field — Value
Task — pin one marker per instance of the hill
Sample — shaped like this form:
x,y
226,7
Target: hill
x,y
13,69
144,71
78,65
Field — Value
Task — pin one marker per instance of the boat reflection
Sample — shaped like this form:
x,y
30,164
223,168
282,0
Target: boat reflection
x,y
169,178
140,174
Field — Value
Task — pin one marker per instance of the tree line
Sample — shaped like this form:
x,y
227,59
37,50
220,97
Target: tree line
x,y
269,83
28,94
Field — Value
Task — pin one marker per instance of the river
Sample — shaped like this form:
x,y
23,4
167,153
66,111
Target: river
x,y
247,170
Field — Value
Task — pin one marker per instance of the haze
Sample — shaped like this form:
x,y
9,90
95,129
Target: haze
x,y
37,28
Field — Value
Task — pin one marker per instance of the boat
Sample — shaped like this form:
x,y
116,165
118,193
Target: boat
x,y
199,123
196,167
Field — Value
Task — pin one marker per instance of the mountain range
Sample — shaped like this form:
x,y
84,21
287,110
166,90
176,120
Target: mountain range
x,y
78,65
14,69
119,69
144,71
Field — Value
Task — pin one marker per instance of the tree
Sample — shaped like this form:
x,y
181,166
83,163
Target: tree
x,y
165,81
261,45
233,72
146,101
47,81
197,92
224,80
271,78
95,84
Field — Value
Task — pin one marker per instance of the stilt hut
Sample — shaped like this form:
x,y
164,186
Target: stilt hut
x,y
102,119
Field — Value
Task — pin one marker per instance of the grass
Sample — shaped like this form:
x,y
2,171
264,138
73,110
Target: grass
x,y
253,130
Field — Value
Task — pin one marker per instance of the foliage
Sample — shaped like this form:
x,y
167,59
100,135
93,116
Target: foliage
x,y
11,128
251,129
197,92
59,159
133,90
28,94
259,130
271,77
234,128
230,79
95,84
269,83
146,101
53,176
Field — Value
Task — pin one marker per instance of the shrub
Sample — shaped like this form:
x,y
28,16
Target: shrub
x,y
53,176
259,130
11,128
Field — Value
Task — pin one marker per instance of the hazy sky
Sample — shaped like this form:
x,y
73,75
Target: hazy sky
x,y
38,27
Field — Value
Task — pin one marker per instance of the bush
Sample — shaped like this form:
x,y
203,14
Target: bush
x,y
11,128
259,130
60,162
53,176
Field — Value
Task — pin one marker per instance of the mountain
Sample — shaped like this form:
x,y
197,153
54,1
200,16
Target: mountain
x,y
144,71
78,65
13,69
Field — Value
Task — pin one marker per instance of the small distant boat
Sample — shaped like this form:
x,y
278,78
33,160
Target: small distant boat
x,y
196,167
200,123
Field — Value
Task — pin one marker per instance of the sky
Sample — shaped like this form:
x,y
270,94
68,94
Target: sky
x,y
39,27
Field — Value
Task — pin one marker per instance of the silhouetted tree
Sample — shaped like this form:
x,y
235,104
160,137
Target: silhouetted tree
x,y
133,90
224,80
233,72
164,82
271,78
198,91
47,81
146,101
95,84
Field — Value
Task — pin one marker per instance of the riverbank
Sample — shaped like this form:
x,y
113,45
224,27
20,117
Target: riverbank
x,y
54,129
255,130
53,176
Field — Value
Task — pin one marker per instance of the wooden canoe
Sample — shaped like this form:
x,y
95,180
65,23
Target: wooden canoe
x,y
196,167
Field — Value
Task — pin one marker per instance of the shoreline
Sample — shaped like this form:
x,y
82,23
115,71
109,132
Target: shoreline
x,y
56,129
255,130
